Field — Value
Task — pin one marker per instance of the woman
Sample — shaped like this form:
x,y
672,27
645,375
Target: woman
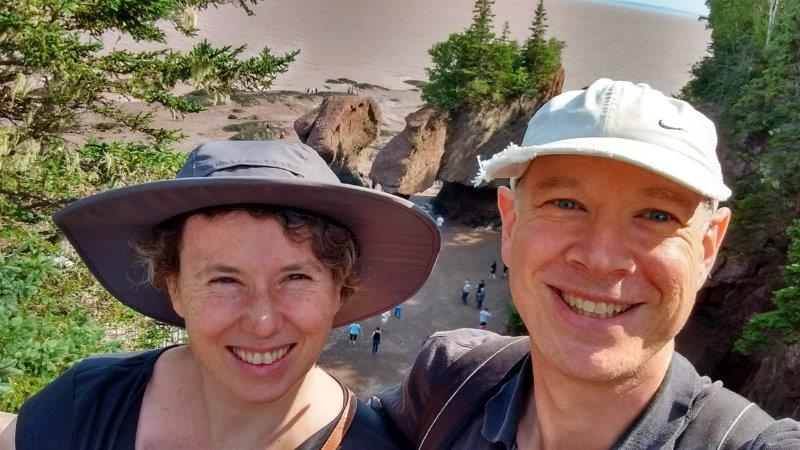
x,y
258,250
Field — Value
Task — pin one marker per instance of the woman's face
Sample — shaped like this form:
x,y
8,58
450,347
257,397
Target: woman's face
x,y
258,307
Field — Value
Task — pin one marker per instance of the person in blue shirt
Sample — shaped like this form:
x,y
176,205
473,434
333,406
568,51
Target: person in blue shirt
x,y
355,330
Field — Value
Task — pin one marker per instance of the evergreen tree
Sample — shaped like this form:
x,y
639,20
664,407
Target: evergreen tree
x,y
504,35
475,67
482,28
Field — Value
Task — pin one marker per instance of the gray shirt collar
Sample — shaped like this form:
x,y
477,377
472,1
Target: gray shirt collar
x,y
666,416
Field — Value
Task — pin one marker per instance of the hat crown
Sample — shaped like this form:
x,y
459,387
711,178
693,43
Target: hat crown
x,y
267,159
621,109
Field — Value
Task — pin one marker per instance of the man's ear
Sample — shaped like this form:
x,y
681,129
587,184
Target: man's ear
x,y
174,294
508,216
713,236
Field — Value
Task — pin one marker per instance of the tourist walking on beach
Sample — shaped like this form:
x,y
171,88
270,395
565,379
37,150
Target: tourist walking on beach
x,y
465,290
481,285
355,330
493,270
483,318
505,270
439,221
385,317
398,310
376,340
480,294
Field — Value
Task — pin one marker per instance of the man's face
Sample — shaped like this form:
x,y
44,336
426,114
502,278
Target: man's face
x,y
605,261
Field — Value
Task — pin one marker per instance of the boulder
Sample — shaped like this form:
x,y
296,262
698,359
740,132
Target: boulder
x,y
340,128
409,162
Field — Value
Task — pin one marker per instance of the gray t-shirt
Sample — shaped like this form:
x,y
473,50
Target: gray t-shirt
x,y
494,425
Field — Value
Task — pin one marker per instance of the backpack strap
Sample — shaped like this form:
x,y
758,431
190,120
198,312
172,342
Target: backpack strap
x,y
726,421
469,381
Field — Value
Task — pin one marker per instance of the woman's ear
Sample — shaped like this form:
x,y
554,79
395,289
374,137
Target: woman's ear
x,y
173,290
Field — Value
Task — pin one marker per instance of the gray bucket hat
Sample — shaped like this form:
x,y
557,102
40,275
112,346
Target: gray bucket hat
x,y
399,241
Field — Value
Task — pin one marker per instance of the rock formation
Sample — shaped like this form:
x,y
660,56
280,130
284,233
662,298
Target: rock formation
x,y
340,128
482,133
488,131
409,162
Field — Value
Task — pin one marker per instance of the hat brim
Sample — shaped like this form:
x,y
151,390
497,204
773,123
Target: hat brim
x,y
513,161
399,241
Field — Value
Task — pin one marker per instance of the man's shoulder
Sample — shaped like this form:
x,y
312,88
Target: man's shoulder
x,y
407,402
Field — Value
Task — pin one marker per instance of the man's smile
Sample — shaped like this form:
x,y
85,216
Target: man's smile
x,y
593,308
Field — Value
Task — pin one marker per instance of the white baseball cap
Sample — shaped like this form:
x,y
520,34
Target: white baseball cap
x,y
628,122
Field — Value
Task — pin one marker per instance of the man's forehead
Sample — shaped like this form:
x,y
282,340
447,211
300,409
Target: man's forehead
x,y
573,172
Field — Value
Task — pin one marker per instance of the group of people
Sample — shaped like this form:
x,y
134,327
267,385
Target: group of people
x,y
258,250
355,329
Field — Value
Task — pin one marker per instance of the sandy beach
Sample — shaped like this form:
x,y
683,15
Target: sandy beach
x,y
385,42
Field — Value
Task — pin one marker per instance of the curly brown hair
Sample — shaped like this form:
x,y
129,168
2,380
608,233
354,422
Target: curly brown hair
x,y
332,244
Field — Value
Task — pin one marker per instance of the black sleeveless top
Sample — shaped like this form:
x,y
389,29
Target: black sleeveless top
x,y
96,404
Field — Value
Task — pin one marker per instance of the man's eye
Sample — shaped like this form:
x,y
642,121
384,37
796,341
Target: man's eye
x,y
564,203
224,280
658,216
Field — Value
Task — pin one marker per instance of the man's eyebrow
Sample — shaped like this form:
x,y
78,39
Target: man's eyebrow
x,y
555,183
665,194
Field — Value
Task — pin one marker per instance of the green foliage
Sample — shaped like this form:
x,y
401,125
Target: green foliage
x,y
52,311
515,326
783,323
54,70
753,77
475,67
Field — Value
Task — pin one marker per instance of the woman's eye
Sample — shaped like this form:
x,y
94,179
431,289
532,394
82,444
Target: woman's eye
x,y
298,276
564,203
658,216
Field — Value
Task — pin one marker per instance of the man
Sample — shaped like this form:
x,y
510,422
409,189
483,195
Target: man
x,y
610,228
483,318
480,295
376,340
465,290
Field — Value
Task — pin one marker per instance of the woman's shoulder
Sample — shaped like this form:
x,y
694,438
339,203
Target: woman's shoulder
x,y
92,388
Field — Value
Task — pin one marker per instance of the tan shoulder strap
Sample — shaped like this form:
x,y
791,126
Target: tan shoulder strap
x,y
348,413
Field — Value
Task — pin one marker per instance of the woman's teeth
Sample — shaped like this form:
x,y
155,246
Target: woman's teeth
x,y
596,310
261,358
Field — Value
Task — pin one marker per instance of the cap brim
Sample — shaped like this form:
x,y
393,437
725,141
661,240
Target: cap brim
x,y
514,161
399,241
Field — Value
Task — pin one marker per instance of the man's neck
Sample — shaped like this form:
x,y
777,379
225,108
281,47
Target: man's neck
x,y
568,412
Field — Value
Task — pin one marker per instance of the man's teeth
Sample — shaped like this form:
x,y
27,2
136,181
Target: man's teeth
x,y
261,358
588,308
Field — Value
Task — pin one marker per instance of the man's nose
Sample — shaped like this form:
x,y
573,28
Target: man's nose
x,y
602,250
263,316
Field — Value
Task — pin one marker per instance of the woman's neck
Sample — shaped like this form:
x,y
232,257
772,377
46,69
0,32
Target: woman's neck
x,y
220,420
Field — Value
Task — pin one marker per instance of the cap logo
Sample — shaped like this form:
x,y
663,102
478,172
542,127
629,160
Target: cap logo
x,y
663,125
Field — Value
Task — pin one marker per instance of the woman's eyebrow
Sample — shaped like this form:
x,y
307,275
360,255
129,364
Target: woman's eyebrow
x,y
304,265
220,268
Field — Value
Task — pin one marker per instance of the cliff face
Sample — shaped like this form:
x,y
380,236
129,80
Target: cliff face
x,y
742,285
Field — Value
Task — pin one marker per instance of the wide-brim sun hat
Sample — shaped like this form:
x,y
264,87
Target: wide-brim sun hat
x,y
632,123
399,241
